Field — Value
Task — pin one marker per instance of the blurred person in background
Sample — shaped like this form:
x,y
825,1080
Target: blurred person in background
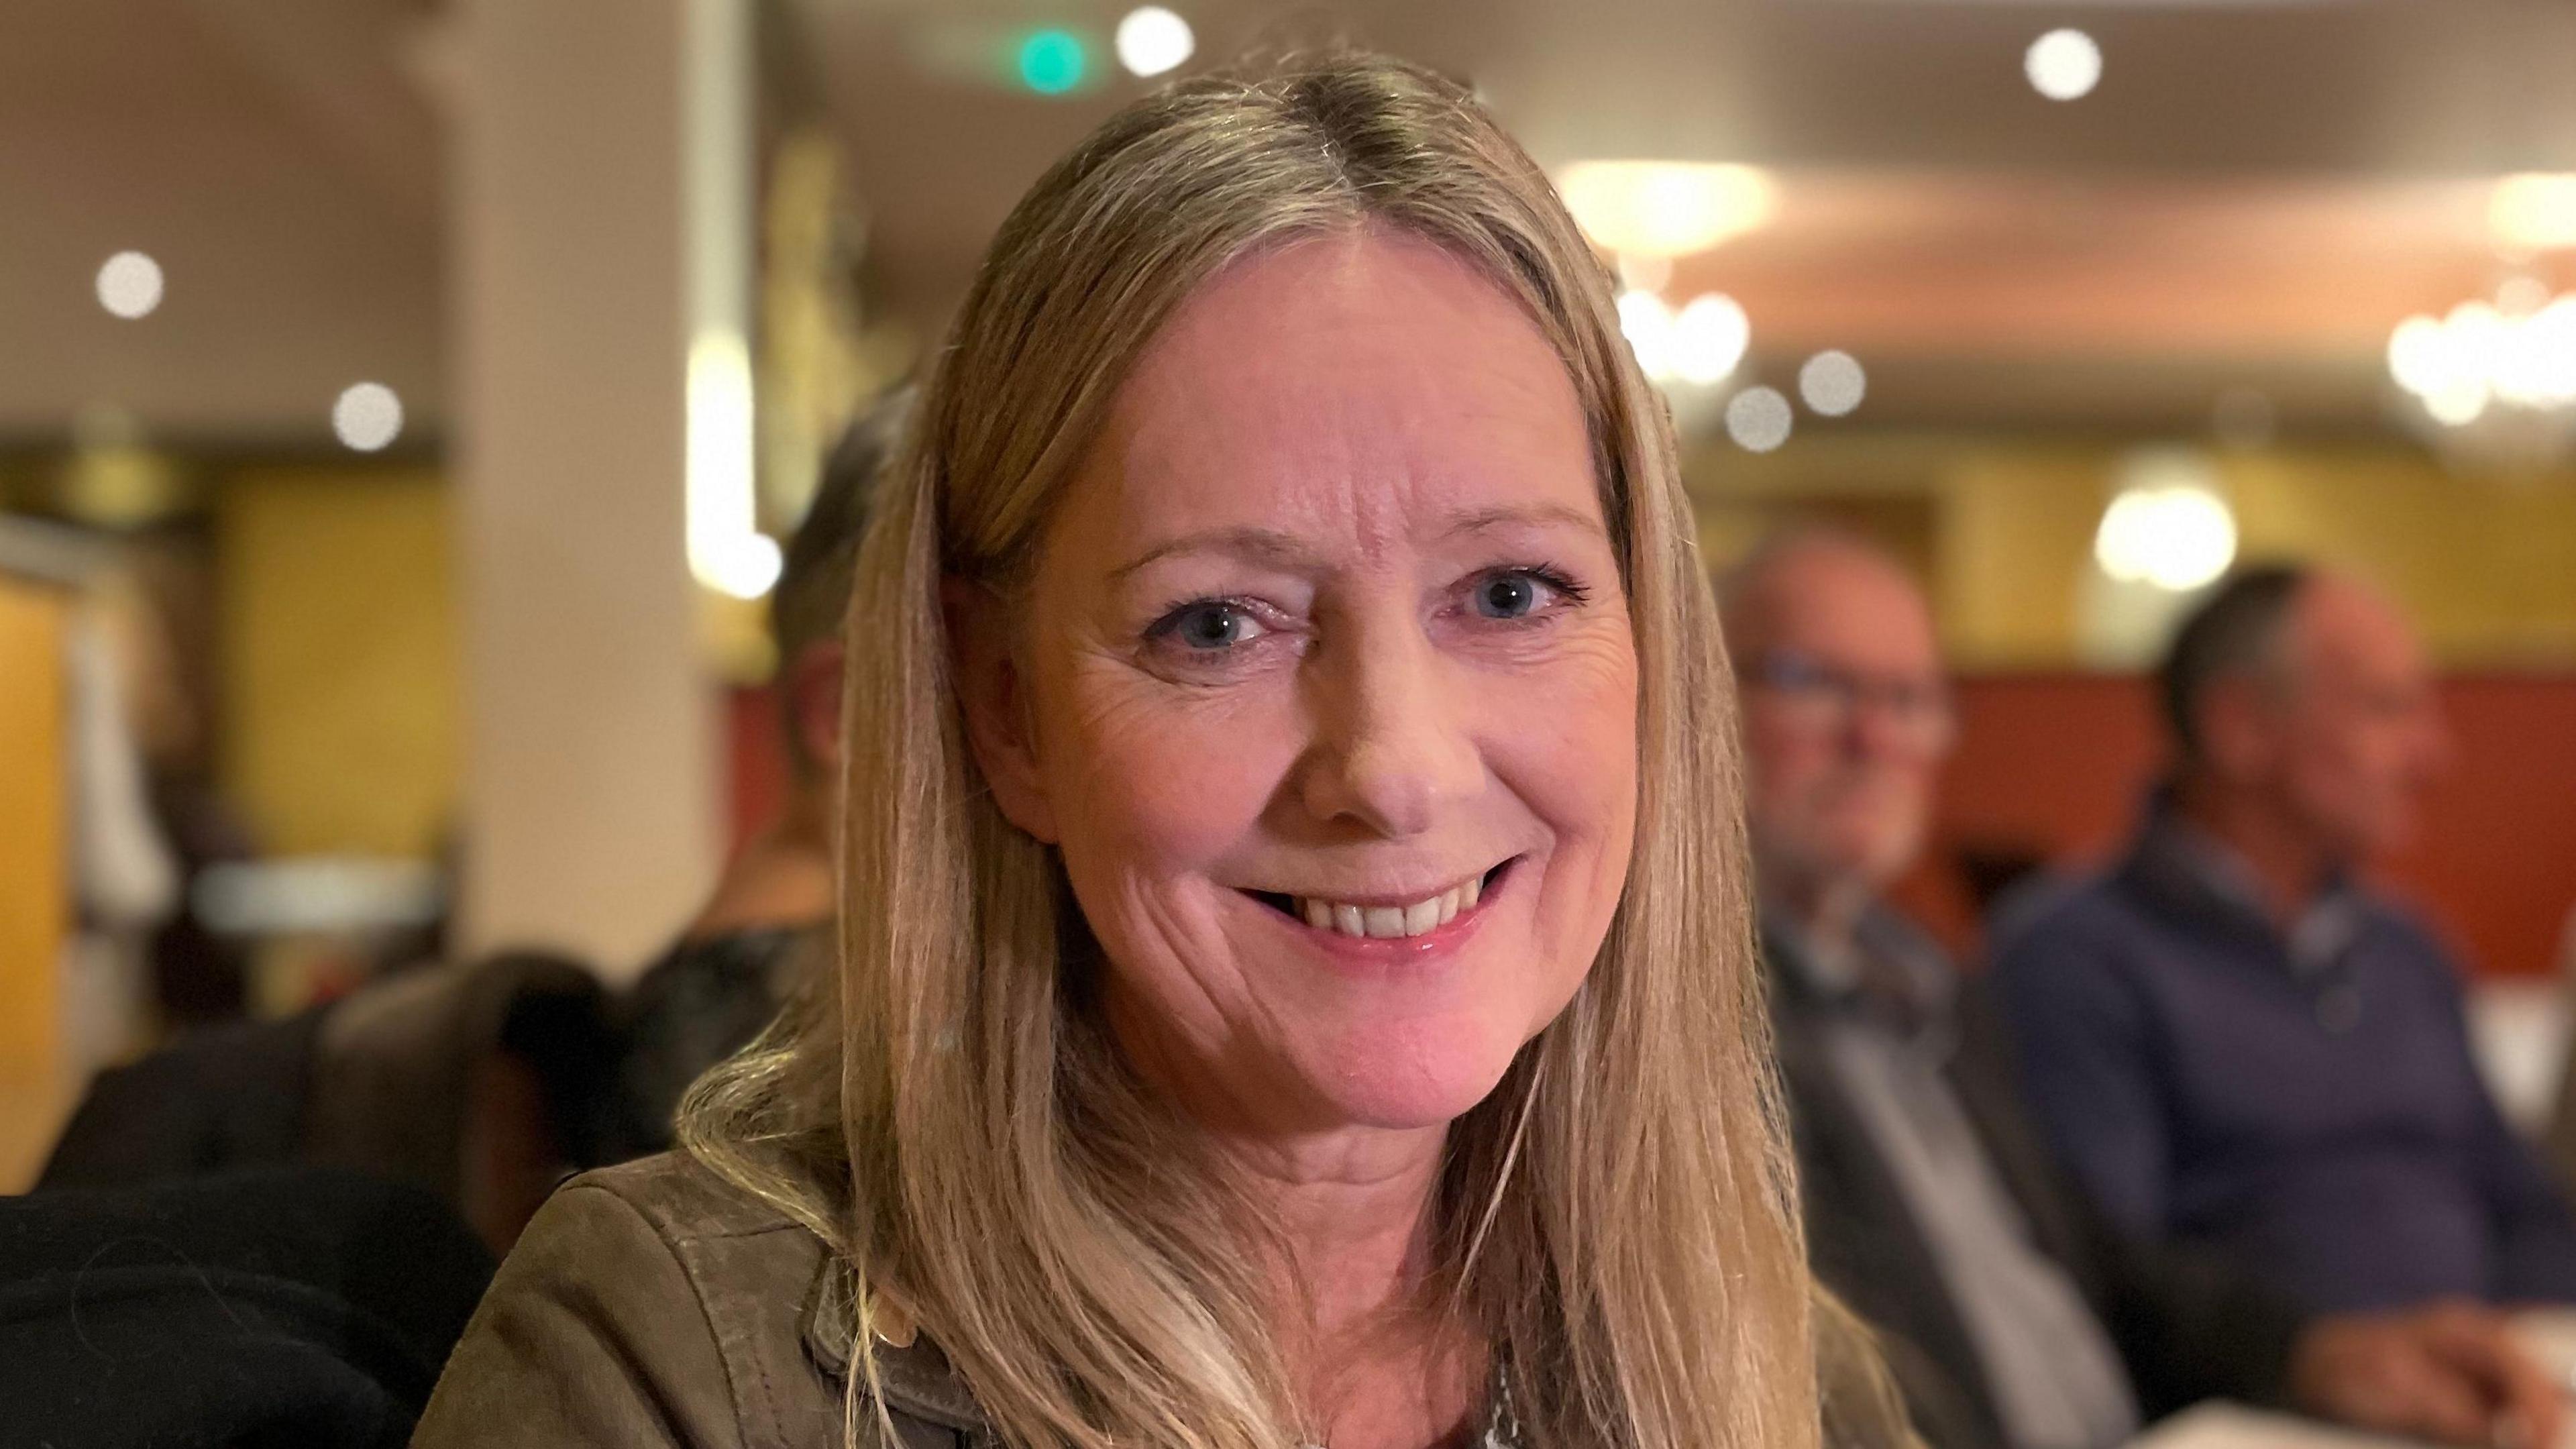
x,y
1294,980
2230,1036
2019,1316
734,966
477,1081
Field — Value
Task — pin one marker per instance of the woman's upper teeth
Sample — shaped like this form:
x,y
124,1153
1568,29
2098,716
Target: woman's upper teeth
x,y
1413,920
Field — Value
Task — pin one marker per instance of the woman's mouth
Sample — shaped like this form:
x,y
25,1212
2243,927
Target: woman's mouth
x,y
1377,921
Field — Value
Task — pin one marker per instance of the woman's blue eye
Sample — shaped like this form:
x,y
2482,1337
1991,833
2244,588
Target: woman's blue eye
x,y
1215,626
1507,596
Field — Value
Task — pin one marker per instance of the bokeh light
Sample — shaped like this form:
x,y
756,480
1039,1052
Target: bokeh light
x,y
1758,419
1052,62
1666,208
2457,404
1709,338
2533,212
1833,383
368,417
2522,354
2176,537
2064,65
742,566
1152,40
1648,325
130,285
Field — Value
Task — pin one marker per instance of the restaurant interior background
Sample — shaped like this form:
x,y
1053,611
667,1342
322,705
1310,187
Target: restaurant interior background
x,y
400,399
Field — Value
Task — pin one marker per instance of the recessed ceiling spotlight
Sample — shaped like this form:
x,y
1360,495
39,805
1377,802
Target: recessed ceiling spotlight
x,y
1832,383
2064,65
130,285
1758,419
1152,40
368,417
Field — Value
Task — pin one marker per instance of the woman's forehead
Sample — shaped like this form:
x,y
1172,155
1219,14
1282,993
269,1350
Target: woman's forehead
x,y
1344,377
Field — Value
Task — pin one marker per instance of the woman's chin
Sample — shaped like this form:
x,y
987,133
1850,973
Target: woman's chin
x,y
1422,1087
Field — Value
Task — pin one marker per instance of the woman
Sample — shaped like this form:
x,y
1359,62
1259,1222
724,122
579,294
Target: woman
x,y
1295,980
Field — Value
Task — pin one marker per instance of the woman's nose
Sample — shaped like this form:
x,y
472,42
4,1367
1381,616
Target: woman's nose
x,y
1394,739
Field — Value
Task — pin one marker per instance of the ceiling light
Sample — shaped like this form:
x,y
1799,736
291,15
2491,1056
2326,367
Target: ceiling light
x,y
1666,208
2176,537
2521,354
1648,325
2063,65
1152,40
1758,419
368,417
129,285
2533,212
1832,383
1709,338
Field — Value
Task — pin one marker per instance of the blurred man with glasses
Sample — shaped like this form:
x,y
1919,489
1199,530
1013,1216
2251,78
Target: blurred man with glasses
x,y
2016,1315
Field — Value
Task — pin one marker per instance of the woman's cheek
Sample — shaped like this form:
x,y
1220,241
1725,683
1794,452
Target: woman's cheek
x,y
1576,765
1185,773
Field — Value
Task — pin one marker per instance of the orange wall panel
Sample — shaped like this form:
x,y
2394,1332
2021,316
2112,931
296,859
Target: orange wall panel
x,y
2057,764
33,884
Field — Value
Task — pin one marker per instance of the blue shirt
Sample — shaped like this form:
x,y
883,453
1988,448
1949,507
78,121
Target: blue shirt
x,y
2305,1103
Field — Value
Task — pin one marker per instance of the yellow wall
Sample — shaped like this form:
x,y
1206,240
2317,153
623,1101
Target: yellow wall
x,y
341,694
2486,565
33,887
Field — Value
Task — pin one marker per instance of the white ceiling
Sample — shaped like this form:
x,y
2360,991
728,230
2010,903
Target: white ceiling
x,y
269,154
2253,195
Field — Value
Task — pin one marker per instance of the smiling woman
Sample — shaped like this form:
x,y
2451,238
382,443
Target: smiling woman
x,y
1294,981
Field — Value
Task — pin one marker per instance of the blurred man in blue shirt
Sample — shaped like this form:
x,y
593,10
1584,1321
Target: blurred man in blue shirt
x,y
2229,1036
2014,1316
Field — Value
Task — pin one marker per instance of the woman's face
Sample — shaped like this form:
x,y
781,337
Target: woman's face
x,y
1326,690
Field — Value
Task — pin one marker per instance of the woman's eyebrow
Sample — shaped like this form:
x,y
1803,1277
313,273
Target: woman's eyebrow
x,y
1257,545
1478,520
1281,550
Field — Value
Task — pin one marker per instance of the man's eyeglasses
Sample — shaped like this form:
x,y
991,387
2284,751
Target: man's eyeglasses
x,y
1825,697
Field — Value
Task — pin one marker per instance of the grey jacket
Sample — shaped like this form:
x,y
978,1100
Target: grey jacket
x,y
655,1305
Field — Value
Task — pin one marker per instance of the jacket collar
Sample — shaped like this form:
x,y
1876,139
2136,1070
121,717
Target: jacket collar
x,y
1890,970
915,1378
2185,873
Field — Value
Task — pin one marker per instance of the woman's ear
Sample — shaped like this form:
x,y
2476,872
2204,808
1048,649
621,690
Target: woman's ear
x,y
995,704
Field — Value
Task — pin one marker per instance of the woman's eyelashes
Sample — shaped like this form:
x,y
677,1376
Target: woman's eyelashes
x,y
1520,593
1209,624
1203,638
1217,636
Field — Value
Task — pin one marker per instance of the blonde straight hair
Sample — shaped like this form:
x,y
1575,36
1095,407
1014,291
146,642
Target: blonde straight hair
x,y
1617,1218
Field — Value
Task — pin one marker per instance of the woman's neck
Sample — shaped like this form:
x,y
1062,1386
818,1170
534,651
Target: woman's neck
x,y
1357,1219
1374,1351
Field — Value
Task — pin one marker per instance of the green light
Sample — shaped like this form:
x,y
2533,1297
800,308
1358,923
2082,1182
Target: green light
x,y
1052,62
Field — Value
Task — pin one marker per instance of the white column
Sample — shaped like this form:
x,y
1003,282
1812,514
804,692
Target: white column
x,y
593,758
